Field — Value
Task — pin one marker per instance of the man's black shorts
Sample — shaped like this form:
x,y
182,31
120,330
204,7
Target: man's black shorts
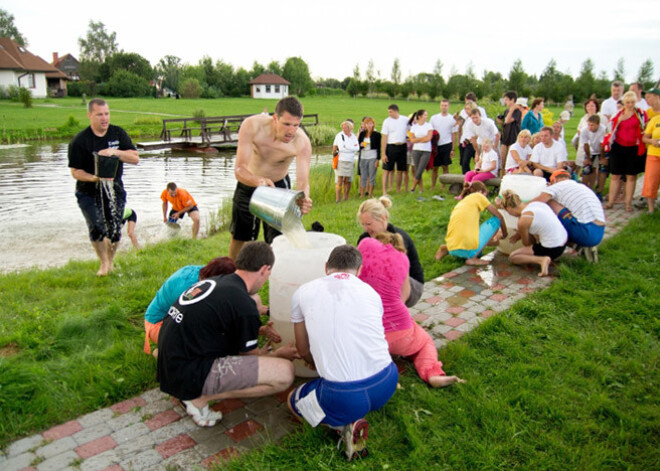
x,y
193,209
397,154
443,157
244,225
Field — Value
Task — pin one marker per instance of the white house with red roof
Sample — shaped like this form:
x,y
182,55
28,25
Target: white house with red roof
x,y
269,86
21,68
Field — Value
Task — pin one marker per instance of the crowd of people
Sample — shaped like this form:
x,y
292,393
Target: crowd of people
x,y
205,321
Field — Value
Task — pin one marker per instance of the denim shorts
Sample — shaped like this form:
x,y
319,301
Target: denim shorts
x,y
486,232
586,235
336,404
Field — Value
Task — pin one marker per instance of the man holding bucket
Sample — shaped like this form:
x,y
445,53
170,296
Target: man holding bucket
x,y
101,196
266,147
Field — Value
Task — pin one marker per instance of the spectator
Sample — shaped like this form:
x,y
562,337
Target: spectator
x,y
533,120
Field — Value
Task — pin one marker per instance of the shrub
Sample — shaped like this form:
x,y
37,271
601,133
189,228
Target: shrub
x,y
13,92
127,84
200,113
321,135
25,97
71,125
191,88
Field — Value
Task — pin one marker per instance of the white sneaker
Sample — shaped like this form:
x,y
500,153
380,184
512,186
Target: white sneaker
x,y
204,417
354,437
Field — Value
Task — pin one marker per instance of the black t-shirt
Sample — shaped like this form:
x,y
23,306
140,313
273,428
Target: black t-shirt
x,y
86,142
416,272
214,318
510,131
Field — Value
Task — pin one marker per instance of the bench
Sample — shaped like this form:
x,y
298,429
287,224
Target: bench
x,y
455,182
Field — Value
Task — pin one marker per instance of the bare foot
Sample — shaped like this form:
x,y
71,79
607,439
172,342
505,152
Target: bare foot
x,y
442,252
545,264
444,381
476,261
103,271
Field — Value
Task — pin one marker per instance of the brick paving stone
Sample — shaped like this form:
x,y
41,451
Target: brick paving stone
x,y
439,343
476,321
21,446
421,306
466,293
65,430
525,281
434,300
128,405
498,297
466,327
96,417
277,423
162,419
56,447
154,395
243,430
262,405
125,420
91,433
476,279
456,300
235,417
441,329
187,460
175,445
456,289
210,440
114,467
455,309
95,447
18,462
105,460
58,462
467,315
453,334
283,395
130,433
420,317
454,321
220,457
179,427
498,287
156,407
449,275
133,447
142,460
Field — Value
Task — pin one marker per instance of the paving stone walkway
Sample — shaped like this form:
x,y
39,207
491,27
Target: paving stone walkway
x,y
152,432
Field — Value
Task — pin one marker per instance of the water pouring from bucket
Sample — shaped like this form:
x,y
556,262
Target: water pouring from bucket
x,y
278,207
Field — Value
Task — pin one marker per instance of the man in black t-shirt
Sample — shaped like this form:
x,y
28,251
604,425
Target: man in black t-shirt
x,y
207,346
101,200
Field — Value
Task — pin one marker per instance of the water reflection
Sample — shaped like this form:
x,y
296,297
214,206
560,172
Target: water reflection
x,y
42,225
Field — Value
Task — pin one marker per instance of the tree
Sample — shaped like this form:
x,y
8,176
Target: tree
x,y
169,70
9,30
494,84
257,69
191,88
356,72
274,68
99,44
620,71
517,78
645,75
396,72
371,77
585,84
296,71
127,84
437,69
131,62
353,87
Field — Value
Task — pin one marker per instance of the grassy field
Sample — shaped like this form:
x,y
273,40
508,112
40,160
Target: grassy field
x,y
566,379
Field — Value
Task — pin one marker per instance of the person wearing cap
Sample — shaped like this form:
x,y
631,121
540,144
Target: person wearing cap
x,y
101,200
547,154
347,146
511,126
652,140
182,204
579,210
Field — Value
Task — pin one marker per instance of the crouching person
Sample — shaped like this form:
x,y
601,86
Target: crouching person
x,y
208,347
339,330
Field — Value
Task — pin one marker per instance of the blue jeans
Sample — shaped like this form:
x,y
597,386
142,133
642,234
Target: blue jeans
x,y
486,232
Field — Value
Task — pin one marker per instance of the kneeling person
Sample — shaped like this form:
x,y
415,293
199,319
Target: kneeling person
x,y
345,341
208,342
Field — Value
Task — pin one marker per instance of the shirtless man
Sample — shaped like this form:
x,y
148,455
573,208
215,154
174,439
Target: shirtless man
x,y
266,147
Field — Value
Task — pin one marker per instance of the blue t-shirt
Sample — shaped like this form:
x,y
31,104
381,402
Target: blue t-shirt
x,y
167,295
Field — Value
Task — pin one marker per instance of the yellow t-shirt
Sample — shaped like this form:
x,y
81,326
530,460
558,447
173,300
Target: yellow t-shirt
x,y
463,229
650,114
653,128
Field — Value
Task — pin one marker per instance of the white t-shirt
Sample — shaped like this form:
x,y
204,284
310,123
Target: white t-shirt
x,y
348,146
548,156
421,131
642,105
564,152
579,199
344,321
445,126
487,158
463,114
486,130
546,225
594,139
523,153
608,108
395,129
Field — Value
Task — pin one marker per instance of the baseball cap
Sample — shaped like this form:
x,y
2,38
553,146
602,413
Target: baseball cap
x,y
556,173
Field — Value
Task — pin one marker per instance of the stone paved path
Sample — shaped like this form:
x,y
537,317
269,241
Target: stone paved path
x,y
152,432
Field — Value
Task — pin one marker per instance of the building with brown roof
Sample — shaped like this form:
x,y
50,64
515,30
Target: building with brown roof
x,y
67,64
269,86
21,68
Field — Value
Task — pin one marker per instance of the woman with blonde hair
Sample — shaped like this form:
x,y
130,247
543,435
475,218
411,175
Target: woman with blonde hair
x,y
373,216
385,269
346,145
465,237
517,159
543,235
369,140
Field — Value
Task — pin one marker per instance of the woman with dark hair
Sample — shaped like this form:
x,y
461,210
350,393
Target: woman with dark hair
x,y
421,133
369,140
177,283
533,120
591,107
627,149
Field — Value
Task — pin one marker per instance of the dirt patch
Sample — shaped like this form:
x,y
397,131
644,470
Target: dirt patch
x,y
9,350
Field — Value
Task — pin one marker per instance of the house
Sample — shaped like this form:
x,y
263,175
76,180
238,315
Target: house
x,y
21,68
67,64
269,86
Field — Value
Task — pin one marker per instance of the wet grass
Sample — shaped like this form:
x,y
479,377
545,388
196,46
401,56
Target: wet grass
x,y
566,379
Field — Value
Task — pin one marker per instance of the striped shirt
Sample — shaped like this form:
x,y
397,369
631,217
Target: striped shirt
x,y
578,199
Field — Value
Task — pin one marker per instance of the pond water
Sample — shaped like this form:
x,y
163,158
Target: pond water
x,y
42,225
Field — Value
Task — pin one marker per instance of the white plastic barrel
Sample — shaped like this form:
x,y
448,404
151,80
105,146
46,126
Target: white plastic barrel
x,y
527,187
294,267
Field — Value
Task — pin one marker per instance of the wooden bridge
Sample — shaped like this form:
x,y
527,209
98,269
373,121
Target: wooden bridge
x,y
215,131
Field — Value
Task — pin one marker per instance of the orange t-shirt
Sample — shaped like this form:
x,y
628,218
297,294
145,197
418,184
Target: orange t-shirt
x,y
180,201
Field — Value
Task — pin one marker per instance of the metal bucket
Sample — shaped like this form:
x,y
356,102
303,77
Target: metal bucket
x,y
271,204
105,166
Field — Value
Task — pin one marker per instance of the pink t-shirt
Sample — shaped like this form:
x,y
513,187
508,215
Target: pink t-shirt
x,y
385,269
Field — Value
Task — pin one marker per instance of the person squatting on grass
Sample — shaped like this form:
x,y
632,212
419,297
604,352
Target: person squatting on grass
x,y
543,236
208,344
182,203
385,269
102,204
465,237
177,283
339,331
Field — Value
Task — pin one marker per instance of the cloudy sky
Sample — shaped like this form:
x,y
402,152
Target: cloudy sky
x,y
332,37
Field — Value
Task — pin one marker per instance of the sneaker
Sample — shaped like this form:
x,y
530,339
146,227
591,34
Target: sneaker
x,y
438,197
421,198
591,253
203,417
354,437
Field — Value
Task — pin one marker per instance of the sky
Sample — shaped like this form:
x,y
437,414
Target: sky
x,y
332,38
